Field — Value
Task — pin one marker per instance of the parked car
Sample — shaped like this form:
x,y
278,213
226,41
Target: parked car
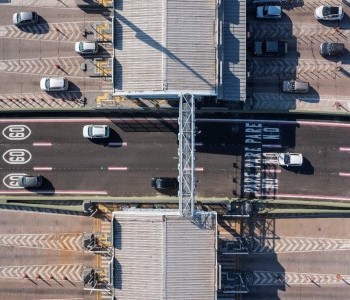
x,y
329,13
290,159
270,48
25,18
96,131
86,47
332,49
295,86
269,12
28,181
161,183
54,84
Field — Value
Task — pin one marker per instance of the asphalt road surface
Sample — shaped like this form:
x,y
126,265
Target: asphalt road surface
x,y
233,157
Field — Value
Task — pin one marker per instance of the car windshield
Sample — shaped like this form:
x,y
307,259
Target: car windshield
x,y
81,46
292,85
326,11
18,17
47,83
287,159
90,131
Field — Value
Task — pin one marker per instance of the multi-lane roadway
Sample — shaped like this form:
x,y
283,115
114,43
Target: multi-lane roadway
x,y
232,157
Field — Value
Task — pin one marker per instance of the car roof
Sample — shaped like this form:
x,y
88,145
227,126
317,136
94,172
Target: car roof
x,y
56,82
89,45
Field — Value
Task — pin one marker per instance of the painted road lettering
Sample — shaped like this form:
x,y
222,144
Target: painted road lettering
x,y
17,156
11,180
254,182
16,132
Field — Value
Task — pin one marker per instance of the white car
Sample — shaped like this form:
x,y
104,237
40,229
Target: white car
x,y
269,12
86,47
290,159
329,13
54,84
96,131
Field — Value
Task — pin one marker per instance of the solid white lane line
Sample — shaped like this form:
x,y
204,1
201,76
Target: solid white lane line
x,y
344,174
55,192
42,168
346,149
118,144
117,168
198,144
302,196
42,144
199,169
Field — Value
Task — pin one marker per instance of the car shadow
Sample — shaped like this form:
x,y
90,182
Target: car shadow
x,y
42,27
306,168
168,192
114,140
46,188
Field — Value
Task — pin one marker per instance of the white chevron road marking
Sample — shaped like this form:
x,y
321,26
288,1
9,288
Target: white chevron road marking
x,y
62,241
47,66
298,244
291,278
59,272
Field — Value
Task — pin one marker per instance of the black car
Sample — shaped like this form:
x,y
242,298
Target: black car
x,y
270,48
332,49
161,183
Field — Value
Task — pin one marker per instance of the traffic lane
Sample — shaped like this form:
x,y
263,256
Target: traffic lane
x,y
40,290
32,222
56,14
90,156
22,256
329,136
15,49
118,182
128,130
216,183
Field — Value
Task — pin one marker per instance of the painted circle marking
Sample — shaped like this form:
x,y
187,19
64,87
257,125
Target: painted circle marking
x,y
16,132
11,180
17,156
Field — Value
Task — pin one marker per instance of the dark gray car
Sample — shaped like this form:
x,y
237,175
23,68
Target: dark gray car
x,y
28,181
161,183
331,49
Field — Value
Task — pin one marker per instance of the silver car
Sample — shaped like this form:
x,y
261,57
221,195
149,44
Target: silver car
x,y
96,131
54,84
28,181
269,12
25,18
86,47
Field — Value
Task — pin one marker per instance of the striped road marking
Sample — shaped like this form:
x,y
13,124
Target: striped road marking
x,y
42,144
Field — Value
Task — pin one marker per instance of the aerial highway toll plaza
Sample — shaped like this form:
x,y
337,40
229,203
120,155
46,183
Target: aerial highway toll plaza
x,y
188,202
